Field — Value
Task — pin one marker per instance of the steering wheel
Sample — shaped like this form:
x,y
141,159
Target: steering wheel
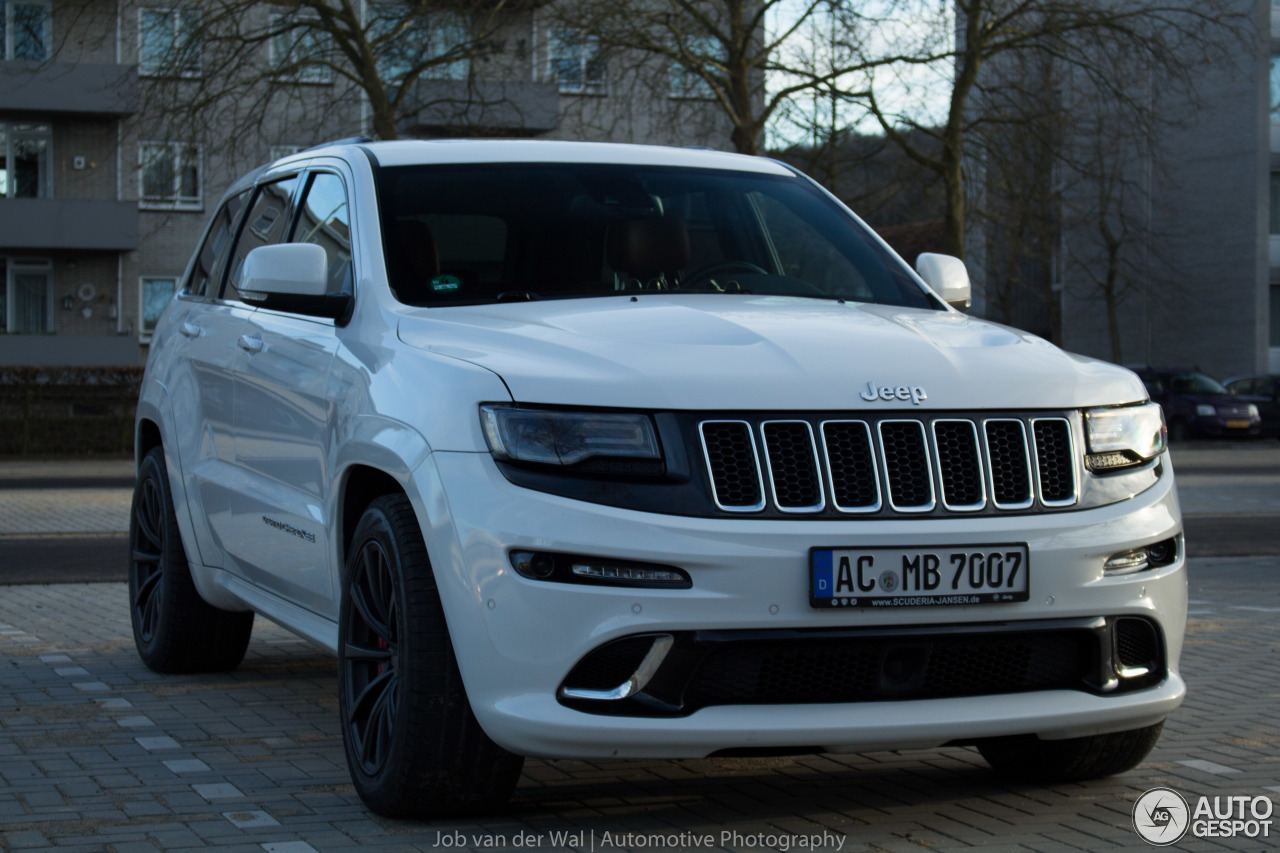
x,y
706,273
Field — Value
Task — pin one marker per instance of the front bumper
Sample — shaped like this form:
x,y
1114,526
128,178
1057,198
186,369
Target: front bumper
x,y
516,639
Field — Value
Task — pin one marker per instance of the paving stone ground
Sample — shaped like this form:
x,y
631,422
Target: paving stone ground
x,y
98,753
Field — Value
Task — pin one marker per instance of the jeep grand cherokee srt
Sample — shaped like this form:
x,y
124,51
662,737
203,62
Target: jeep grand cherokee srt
x,y
580,450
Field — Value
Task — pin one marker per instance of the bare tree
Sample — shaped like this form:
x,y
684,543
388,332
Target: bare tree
x,y
1112,164
726,50
1079,36
224,69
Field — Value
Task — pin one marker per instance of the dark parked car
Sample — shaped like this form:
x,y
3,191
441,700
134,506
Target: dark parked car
x,y
1264,392
1198,406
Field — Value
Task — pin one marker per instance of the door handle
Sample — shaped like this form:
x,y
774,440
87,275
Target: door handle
x,y
250,345
190,329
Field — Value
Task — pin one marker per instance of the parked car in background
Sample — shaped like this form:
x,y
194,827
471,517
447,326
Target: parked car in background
x,y
1262,391
1198,406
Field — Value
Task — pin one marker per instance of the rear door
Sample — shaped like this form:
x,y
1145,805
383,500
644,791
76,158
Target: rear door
x,y
285,421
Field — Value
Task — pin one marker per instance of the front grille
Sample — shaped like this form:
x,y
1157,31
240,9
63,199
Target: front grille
x,y
793,465
731,456
933,465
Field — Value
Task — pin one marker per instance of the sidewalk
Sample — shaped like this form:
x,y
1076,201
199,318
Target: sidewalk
x,y
75,496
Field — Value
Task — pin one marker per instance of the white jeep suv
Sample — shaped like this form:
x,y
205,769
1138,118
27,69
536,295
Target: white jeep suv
x,y
580,450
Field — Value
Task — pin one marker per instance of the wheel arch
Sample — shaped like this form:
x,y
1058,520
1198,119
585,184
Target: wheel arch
x,y
362,485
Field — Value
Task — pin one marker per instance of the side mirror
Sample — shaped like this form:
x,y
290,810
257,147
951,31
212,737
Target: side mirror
x,y
292,277
947,277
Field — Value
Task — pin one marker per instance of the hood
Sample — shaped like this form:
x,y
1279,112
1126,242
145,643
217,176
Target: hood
x,y
727,352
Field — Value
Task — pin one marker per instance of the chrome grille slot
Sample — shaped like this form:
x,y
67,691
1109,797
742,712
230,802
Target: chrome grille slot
x,y
851,466
904,453
730,454
792,459
959,465
1008,463
1055,461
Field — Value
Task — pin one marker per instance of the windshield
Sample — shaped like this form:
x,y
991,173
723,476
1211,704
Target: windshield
x,y
467,234
1195,383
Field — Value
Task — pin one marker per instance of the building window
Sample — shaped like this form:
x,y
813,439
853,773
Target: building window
x,y
686,82
168,44
26,296
406,41
576,62
25,152
169,175
1275,203
25,31
1275,315
300,50
154,295
1275,89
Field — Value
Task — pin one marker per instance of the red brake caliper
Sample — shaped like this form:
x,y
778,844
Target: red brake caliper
x,y
382,644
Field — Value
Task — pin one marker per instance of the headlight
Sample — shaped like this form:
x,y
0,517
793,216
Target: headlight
x,y
566,437
1204,410
1123,435
1253,410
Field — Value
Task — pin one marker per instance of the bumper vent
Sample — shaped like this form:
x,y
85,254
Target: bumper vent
x,y
699,669
940,465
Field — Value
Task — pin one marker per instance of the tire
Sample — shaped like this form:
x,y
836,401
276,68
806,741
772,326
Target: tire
x,y
1029,759
414,747
174,629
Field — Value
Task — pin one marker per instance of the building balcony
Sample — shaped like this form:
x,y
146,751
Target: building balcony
x,y
30,224
61,88
492,107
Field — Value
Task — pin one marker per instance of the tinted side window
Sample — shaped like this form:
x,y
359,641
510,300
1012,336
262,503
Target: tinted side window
x,y
265,224
206,275
324,218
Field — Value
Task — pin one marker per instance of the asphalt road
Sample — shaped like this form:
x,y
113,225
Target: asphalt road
x,y
1230,496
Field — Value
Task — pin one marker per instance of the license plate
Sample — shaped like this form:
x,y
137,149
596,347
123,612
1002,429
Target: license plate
x,y
932,576
1237,423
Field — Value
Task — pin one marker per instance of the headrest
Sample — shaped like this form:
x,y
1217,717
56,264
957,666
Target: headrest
x,y
417,247
643,246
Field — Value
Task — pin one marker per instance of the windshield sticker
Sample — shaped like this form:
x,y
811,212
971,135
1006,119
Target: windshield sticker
x,y
445,283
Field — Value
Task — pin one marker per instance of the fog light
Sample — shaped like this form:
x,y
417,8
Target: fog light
x,y
535,566
1127,562
1163,553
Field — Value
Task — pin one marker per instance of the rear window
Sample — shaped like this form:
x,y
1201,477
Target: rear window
x,y
482,233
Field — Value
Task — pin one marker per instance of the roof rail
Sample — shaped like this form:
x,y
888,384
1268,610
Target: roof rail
x,y
346,140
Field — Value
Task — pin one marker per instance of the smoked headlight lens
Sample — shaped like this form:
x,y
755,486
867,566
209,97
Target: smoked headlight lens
x,y
564,437
1124,435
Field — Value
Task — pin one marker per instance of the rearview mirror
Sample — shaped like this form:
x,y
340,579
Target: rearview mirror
x,y
292,277
947,277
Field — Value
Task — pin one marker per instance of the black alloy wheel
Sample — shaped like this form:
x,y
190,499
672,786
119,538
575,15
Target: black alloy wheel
x,y
414,747
370,658
174,629
147,578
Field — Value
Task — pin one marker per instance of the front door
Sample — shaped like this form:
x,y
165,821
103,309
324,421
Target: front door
x,y
285,424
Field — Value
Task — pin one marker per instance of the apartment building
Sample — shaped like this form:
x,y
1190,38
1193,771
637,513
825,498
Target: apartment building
x,y
1194,276
108,174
